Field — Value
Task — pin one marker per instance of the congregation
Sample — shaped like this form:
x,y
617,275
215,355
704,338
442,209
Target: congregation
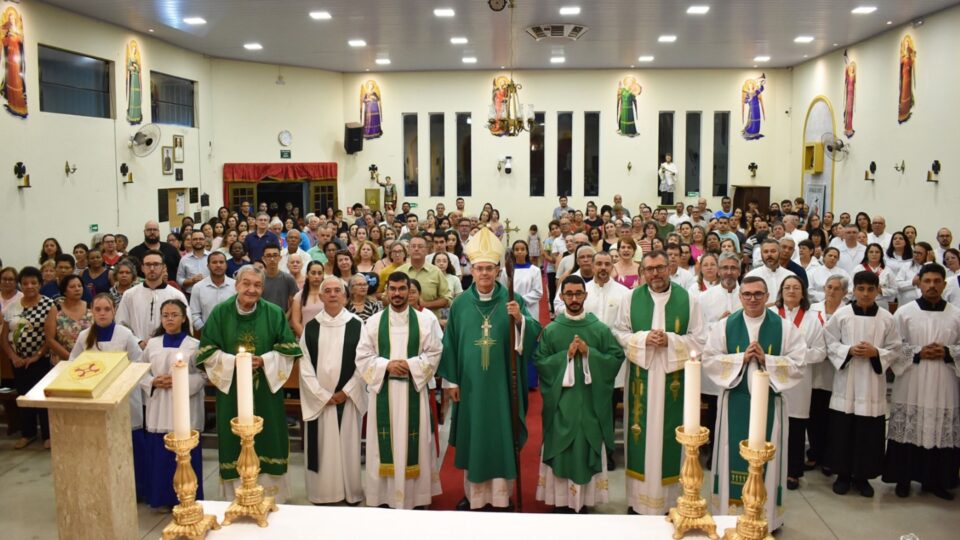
x,y
399,319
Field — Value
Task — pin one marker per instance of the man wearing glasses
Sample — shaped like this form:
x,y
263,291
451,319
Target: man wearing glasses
x,y
751,338
659,327
139,309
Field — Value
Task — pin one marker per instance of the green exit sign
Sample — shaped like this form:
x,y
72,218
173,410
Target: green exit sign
x,y
94,227
285,154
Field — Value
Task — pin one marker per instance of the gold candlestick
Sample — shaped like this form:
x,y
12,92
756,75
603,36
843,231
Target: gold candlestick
x,y
752,524
189,521
249,500
691,510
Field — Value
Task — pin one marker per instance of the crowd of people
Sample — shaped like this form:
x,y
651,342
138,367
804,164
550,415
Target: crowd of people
x,y
384,308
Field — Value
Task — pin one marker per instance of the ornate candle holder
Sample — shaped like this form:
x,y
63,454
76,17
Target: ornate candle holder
x,y
249,500
691,510
189,521
752,524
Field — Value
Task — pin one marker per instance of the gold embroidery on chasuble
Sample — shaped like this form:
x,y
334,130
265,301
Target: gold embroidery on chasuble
x,y
637,408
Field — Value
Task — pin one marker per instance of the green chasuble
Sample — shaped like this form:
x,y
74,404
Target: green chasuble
x,y
676,319
260,332
385,431
476,356
577,420
770,337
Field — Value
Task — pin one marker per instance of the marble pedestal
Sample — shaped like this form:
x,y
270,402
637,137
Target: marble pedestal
x,y
92,457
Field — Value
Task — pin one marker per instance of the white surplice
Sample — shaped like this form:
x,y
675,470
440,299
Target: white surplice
x,y
528,283
139,308
717,303
727,371
822,372
650,496
159,418
798,396
773,278
857,388
397,491
906,291
925,407
122,340
338,445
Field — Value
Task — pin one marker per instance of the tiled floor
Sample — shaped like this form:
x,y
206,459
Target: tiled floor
x,y
27,508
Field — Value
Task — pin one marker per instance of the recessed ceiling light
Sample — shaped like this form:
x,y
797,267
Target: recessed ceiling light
x,y
253,46
632,66
150,30
383,61
667,38
469,59
698,10
195,20
557,59
458,40
863,10
357,43
645,58
835,44
320,15
570,10
503,67
889,22
806,56
368,69
803,39
444,12
761,58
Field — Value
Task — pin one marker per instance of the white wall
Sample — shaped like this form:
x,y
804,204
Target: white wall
x,y
931,133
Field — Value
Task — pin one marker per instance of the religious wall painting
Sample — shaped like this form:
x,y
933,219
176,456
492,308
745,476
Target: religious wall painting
x,y
849,93
166,161
13,87
178,148
371,109
501,106
134,63
628,91
908,67
752,112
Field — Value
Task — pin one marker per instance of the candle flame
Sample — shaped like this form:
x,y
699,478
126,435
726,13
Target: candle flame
x,y
242,350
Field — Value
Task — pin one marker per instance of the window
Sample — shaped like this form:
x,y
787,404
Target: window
x,y
436,155
240,193
464,155
410,162
537,156
323,195
564,153
721,152
591,154
71,83
692,176
171,100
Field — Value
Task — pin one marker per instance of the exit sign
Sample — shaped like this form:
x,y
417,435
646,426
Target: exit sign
x,y
285,154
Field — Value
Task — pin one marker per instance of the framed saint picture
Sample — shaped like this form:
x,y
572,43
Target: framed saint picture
x,y
179,175
166,153
178,148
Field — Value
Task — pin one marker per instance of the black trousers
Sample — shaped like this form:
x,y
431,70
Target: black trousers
x,y
24,379
708,417
856,445
796,441
552,287
818,426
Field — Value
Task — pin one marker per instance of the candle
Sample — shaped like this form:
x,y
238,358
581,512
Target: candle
x,y
181,399
245,387
759,394
691,396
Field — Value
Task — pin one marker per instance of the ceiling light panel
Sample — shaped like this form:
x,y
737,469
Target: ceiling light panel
x,y
698,10
570,10
667,38
863,10
444,12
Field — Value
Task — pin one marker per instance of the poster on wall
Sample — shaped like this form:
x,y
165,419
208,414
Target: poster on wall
x,y
752,112
849,93
371,109
815,198
14,86
908,66
628,90
134,83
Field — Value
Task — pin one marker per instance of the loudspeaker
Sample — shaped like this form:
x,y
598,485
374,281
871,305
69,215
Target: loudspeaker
x,y
352,137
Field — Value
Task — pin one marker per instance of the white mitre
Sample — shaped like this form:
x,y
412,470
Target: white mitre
x,y
484,247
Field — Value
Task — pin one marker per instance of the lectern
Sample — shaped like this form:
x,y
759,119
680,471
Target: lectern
x,y
92,457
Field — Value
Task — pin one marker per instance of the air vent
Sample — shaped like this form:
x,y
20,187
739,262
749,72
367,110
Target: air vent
x,y
572,32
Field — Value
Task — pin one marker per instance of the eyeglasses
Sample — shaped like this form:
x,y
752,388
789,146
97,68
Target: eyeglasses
x,y
655,269
753,296
152,265
572,294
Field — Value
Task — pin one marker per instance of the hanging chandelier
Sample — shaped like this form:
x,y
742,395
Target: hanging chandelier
x,y
508,116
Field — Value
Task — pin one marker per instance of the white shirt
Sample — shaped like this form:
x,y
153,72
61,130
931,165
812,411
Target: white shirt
x,y
851,258
798,236
883,239
772,278
817,277
206,296
454,261
191,265
305,259
676,219
684,278
906,292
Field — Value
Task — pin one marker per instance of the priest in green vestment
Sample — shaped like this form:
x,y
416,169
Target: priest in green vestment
x,y
659,326
750,339
577,361
475,367
261,328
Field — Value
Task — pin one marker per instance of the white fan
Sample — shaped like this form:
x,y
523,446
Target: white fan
x,y
836,148
145,140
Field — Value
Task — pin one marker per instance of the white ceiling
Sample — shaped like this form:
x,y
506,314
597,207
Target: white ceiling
x,y
407,32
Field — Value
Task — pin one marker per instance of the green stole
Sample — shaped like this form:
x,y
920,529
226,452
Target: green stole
x,y
770,338
384,429
677,309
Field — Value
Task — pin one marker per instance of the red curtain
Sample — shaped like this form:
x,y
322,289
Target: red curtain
x,y
289,172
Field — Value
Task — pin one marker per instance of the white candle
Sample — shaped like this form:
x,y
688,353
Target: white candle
x,y
691,396
245,387
181,399
759,394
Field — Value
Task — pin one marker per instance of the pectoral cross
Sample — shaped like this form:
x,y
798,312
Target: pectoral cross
x,y
485,343
508,230
384,433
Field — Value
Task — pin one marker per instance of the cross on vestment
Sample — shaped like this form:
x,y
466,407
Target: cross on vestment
x,y
508,230
485,343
